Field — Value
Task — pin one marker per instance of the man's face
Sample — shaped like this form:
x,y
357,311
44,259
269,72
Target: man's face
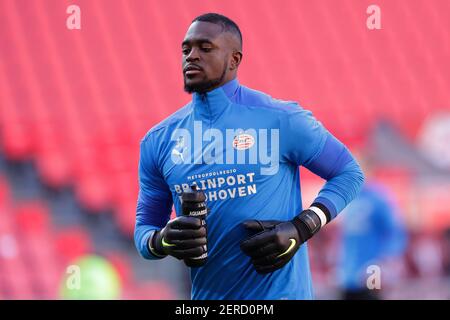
x,y
206,54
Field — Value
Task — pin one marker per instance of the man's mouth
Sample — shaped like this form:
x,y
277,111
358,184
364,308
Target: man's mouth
x,y
191,73
192,70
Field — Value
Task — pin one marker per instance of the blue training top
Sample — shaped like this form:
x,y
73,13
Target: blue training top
x,y
243,149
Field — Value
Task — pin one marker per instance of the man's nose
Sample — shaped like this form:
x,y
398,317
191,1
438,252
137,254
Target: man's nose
x,y
193,55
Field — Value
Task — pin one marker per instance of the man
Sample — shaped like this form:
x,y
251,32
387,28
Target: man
x,y
372,235
243,149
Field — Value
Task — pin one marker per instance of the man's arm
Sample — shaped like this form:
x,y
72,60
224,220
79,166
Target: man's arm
x,y
154,203
155,236
305,142
344,179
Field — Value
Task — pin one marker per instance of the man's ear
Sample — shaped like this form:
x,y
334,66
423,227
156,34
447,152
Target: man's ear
x,y
236,58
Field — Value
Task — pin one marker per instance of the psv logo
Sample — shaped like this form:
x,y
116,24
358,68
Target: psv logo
x,y
243,141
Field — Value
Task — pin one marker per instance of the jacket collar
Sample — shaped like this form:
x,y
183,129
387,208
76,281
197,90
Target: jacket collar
x,y
212,104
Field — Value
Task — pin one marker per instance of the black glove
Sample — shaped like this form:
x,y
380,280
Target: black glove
x,y
276,242
183,237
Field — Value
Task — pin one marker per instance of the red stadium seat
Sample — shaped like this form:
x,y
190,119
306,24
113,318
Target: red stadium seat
x,y
32,218
72,243
93,193
125,216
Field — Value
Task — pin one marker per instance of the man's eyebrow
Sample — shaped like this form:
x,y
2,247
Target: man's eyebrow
x,y
200,40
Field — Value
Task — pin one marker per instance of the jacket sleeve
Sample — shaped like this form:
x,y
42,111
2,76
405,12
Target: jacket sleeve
x,y
154,203
309,144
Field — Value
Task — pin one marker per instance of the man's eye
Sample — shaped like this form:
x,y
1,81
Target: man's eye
x,y
186,51
206,49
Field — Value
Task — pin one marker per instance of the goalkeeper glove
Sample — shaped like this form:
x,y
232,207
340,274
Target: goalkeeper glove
x,y
183,237
276,242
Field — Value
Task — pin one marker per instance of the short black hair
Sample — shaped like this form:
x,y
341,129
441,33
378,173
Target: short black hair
x,y
226,23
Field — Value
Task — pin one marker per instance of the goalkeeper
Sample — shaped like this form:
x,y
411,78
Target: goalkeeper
x,y
243,149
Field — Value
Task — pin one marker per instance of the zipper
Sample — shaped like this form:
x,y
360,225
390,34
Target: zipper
x,y
205,98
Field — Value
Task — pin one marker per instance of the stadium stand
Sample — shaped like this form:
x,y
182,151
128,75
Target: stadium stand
x,y
77,102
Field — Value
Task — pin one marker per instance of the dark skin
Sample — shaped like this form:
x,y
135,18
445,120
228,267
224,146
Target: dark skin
x,y
211,57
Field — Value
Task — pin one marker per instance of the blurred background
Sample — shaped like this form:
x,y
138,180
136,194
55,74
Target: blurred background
x,y
74,104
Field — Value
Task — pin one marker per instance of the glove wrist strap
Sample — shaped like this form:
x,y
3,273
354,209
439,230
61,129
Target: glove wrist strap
x,y
153,245
307,224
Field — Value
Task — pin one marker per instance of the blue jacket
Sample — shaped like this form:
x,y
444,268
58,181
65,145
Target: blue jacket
x,y
244,149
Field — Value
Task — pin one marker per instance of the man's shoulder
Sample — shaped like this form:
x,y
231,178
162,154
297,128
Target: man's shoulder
x,y
172,119
256,98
